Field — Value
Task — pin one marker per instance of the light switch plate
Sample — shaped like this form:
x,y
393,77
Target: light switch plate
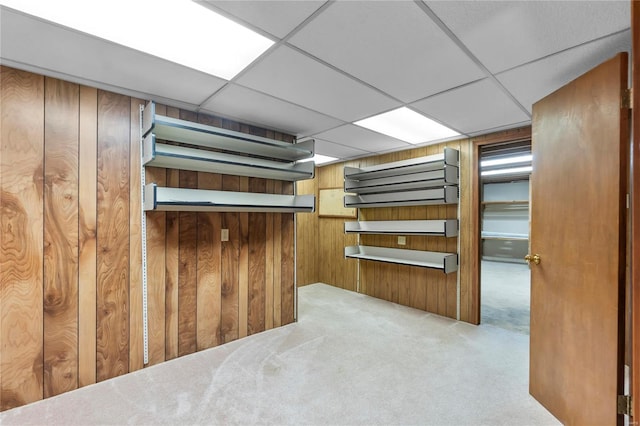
x,y
402,240
224,235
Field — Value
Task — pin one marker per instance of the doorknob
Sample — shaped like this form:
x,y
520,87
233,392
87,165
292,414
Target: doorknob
x,y
535,258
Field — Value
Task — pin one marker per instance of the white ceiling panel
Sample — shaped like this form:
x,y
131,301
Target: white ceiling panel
x,y
477,106
389,44
503,34
52,48
338,151
244,104
275,17
290,75
534,81
362,139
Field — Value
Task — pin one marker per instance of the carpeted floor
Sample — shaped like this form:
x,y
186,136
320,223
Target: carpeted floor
x,y
506,295
351,359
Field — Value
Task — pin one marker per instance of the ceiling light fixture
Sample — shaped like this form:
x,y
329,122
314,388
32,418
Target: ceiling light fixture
x,y
510,171
183,31
407,125
505,161
319,159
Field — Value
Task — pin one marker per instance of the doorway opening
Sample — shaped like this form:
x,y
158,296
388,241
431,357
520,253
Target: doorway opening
x,y
505,169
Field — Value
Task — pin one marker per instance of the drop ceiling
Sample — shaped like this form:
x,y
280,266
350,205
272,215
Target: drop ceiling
x,y
474,66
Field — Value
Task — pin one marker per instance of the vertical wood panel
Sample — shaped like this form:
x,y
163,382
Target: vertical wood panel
x,y
61,133
277,262
257,264
243,266
172,261
287,276
21,247
136,349
269,263
88,166
187,272
156,272
230,258
113,235
209,254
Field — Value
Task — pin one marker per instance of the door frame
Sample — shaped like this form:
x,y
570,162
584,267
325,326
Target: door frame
x,y
635,210
513,135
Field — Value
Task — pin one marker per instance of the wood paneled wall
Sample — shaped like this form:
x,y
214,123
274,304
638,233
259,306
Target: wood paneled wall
x,y
70,245
422,288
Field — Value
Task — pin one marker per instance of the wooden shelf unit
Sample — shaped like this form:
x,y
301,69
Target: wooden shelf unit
x,y
446,262
441,228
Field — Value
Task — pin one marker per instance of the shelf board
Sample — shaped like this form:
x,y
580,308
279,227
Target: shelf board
x,y
446,262
414,165
504,236
178,157
173,129
448,175
444,195
201,200
443,228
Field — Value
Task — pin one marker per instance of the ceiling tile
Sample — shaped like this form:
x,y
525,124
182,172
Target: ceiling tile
x,y
532,82
360,138
477,106
338,151
503,34
391,45
275,17
77,56
294,77
247,105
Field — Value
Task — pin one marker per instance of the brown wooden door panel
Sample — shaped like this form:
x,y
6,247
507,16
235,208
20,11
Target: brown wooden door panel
x,y
580,135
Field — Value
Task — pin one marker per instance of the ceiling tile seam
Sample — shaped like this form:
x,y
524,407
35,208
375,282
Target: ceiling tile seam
x,y
345,146
277,43
449,33
449,90
550,55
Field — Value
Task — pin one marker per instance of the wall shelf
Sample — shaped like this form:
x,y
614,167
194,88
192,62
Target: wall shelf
x,y
504,236
498,203
201,200
178,157
446,262
444,228
449,157
444,195
173,129
447,175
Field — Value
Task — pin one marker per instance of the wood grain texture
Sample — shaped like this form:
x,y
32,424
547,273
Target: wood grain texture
x,y
243,266
287,275
61,134
307,238
230,252
113,236
21,246
136,343
257,266
172,262
209,278
269,263
87,199
156,273
187,272
277,262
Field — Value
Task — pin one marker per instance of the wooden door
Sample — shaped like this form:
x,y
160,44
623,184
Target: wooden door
x,y
579,138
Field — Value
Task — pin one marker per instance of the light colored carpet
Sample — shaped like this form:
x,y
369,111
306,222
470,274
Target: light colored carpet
x,y
351,359
506,295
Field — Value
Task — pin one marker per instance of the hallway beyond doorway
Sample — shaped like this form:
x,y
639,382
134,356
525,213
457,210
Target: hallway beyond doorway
x,y
506,295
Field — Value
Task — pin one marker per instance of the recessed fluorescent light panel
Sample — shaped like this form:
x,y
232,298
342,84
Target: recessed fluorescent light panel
x,y
319,159
510,171
506,161
180,31
407,125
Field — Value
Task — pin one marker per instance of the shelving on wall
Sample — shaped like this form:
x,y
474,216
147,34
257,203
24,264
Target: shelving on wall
x,y
428,180
184,145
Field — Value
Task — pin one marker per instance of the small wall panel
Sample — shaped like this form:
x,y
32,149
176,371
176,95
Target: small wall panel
x,y
113,236
21,247
257,265
61,236
187,271
230,259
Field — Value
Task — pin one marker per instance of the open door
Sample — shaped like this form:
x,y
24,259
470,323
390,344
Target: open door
x,y
580,140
